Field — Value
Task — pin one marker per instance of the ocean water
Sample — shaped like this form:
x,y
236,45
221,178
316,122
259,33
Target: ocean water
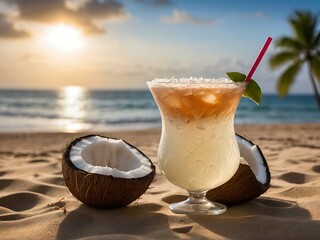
x,y
73,109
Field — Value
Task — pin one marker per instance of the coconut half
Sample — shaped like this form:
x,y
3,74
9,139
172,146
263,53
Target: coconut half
x,y
106,172
249,182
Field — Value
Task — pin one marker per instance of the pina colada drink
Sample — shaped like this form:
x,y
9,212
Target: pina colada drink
x,y
198,149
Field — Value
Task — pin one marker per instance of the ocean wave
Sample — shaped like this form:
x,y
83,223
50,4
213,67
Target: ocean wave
x,y
39,109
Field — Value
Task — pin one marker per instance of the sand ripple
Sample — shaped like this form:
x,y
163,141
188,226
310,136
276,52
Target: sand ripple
x,y
35,204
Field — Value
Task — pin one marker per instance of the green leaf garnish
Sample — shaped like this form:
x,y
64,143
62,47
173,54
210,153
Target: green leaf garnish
x,y
253,91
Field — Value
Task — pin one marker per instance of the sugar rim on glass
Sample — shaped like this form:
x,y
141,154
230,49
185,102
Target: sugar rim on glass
x,y
195,81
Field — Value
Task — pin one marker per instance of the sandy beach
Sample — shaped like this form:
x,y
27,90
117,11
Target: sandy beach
x,y
35,203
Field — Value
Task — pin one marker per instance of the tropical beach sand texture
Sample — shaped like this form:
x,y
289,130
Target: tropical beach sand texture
x,y
35,204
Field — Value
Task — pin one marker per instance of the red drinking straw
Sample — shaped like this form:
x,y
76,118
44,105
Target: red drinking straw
x,y
260,56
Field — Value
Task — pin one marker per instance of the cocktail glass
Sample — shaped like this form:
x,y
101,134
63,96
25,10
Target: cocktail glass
x,y
198,150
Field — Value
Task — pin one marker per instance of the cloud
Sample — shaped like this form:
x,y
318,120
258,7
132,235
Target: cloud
x,y
217,67
258,14
156,2
8,31
28,56
183,17
255,15
80,13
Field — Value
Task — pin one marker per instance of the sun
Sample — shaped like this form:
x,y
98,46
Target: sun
x,y
65,38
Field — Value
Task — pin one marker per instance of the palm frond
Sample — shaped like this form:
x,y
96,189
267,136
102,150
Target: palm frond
x,y
287,78
289,43
302,47
316,41
281,58
304,24
315,67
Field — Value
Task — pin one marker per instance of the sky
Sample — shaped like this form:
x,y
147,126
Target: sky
x,y
121,44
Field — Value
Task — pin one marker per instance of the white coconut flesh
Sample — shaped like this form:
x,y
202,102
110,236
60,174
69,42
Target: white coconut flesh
x,y
254,158
107,156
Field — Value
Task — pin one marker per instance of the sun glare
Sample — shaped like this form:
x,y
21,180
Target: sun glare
x,y
65,38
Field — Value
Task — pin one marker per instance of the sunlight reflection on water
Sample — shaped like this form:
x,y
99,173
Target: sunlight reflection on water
x,y
73,102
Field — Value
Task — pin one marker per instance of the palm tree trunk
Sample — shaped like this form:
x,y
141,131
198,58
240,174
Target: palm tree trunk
x,y
314,85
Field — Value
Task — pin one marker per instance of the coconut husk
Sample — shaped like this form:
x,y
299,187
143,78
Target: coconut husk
x,y
101,190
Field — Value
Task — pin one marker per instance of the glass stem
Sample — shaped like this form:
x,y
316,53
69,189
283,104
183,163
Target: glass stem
x,y
197,203
197,197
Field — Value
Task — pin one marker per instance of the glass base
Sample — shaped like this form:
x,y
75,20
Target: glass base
x,y
197,204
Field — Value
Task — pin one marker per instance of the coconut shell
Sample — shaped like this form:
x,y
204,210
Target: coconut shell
x,y
102,190
243,186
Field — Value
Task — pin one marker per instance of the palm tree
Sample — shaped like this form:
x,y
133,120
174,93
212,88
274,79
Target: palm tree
x,y
302,48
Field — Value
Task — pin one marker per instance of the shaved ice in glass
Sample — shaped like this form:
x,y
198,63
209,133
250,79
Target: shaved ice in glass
x,y
198,150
